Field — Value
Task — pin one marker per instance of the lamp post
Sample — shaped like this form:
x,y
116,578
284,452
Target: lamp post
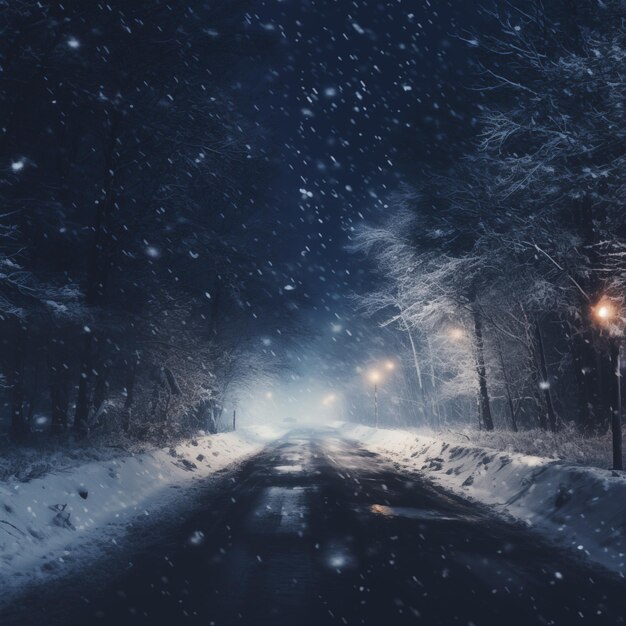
x,y
616,413
616,421
375,376
608,317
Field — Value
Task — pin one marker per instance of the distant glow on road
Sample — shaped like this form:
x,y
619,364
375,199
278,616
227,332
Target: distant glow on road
x,y
291,402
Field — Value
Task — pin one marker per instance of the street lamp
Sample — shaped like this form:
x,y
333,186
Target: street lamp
x,y
374,376
617,432
607,315
329,399
604,311
456,334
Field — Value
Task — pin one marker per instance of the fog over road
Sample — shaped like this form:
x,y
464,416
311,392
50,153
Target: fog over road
x,y
315,530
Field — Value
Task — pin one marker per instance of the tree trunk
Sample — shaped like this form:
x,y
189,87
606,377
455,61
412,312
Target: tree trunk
x,y
33,394
211,413
19,425
507,386
592,409
97,274
130,395
535,391
607,387
584,361
82,400
101,387
418,369
60,403
545,380
484,400
616,413
59,393
433,382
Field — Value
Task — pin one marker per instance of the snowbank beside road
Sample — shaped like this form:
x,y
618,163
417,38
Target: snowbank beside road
x,y
582,508
67,516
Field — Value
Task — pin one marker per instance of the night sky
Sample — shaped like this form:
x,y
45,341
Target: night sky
x,y
356,97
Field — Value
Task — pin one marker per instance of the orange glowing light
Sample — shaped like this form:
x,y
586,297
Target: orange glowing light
x,y
456,333
374,376
604,311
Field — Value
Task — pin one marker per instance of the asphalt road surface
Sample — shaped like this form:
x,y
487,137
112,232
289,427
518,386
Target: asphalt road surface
x,y
315,530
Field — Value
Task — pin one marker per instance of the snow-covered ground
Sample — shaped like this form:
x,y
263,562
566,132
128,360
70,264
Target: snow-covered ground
x,y
582,508
66,519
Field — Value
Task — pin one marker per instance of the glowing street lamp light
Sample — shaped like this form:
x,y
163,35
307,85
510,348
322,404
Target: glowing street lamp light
x,y
390,365
329,399
374,376
604,311
456,334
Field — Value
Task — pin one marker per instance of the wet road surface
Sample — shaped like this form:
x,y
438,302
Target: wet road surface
x,y
315,530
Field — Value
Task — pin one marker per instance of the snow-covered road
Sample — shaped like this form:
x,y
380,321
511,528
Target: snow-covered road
x,y
316,530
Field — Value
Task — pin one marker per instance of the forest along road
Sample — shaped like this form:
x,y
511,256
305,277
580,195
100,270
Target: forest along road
x,y
316,530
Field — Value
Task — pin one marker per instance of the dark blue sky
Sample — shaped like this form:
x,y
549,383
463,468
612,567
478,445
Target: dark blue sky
x,y
357,97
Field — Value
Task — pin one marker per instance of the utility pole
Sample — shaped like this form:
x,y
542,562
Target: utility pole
x,y
616,417
234,419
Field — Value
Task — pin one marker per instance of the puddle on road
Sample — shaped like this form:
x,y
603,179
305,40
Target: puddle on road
x,y
338,556
409,512
289,468
298,442
280,511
